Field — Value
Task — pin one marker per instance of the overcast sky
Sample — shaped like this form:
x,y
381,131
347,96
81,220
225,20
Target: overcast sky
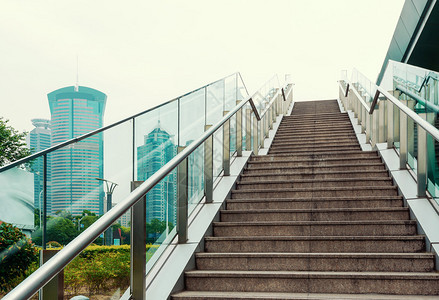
x,y
142,53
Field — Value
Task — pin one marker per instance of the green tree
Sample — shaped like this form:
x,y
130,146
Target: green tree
x,y
59,229
12,143
17,253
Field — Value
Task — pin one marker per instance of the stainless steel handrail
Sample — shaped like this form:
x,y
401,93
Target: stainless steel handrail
x,y
99,130
418,98
50,269
430,129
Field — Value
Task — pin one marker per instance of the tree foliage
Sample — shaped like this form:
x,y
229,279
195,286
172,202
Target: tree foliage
x,y
12,143
17,253
59,229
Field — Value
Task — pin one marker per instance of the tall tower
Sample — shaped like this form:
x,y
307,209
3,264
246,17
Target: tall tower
x,y
77,110
39,139
157,150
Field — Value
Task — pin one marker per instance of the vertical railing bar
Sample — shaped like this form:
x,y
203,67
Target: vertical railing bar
x,y
255,135
138,246
248,141
182,199
226,146
238,135
208,167
44,221
402,138
422,159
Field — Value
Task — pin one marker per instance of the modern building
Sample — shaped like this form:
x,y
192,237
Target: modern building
x,y
40,139
76,111
157,150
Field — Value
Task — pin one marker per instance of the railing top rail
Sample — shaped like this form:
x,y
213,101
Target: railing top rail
x,y
99,130
48,270
430,129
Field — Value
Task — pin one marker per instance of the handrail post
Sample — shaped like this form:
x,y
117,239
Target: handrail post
x,y
382,120
422,159
138,246
262,131
368,127
255,135
402,138
54,289
182,199
248,129
238,131
226,145
389,124
410,130
208,167
375,127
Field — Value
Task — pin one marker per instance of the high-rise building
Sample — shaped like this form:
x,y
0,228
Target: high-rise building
x,y
39,139
76,111
157,150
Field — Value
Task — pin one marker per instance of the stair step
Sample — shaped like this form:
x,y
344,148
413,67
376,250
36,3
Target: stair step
x,y
363,175
215,295
313,183
311,282
314,143
315,169
314,228
341,262
316,203
324,214
316,146
315,155
308,138
313,150
315,192
314,244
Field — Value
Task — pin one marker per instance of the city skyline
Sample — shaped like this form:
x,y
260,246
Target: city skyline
x,y
42,40
76,110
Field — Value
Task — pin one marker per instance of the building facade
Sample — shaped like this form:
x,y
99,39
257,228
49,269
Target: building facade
x,y
76,111
157,150
40,139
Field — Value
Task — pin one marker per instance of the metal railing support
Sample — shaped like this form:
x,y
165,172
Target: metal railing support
x,y
262,131
390,132
54,289
138,246
226,146
182,199
248,129
382,120
368,127
208,167
238,131
375,127
402,138
255,135
422,159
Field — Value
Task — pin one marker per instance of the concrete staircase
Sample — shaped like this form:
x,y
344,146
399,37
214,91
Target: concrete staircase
x,y
316,218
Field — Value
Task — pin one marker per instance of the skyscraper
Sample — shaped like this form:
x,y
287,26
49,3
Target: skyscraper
x,y
76,111
157,150
39,139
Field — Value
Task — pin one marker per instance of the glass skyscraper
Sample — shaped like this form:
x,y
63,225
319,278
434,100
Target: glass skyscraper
x,y
39,139
157,150
76,111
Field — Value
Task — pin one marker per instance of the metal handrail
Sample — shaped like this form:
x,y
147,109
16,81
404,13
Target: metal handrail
x,y
430,129
52,267
418,98
99,130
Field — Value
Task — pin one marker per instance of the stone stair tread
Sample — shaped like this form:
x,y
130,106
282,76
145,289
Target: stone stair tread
x,y
310,223
320,159
317,254
356,198
315,274
380,179
325,166
198,295
309,238
340,188
317,210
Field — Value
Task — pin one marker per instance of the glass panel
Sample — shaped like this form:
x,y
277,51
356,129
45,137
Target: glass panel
x,y
192,117
214,102
217,152
195,177
161,215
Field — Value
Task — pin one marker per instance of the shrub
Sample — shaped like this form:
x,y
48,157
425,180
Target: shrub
x,y
17,253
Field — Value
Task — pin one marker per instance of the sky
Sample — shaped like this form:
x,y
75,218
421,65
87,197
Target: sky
x,y
143,53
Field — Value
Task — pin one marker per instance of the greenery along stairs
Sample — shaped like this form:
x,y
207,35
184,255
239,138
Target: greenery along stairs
x,y
316,218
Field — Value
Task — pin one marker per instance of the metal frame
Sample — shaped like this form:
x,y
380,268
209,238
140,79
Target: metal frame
x,y
50,269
